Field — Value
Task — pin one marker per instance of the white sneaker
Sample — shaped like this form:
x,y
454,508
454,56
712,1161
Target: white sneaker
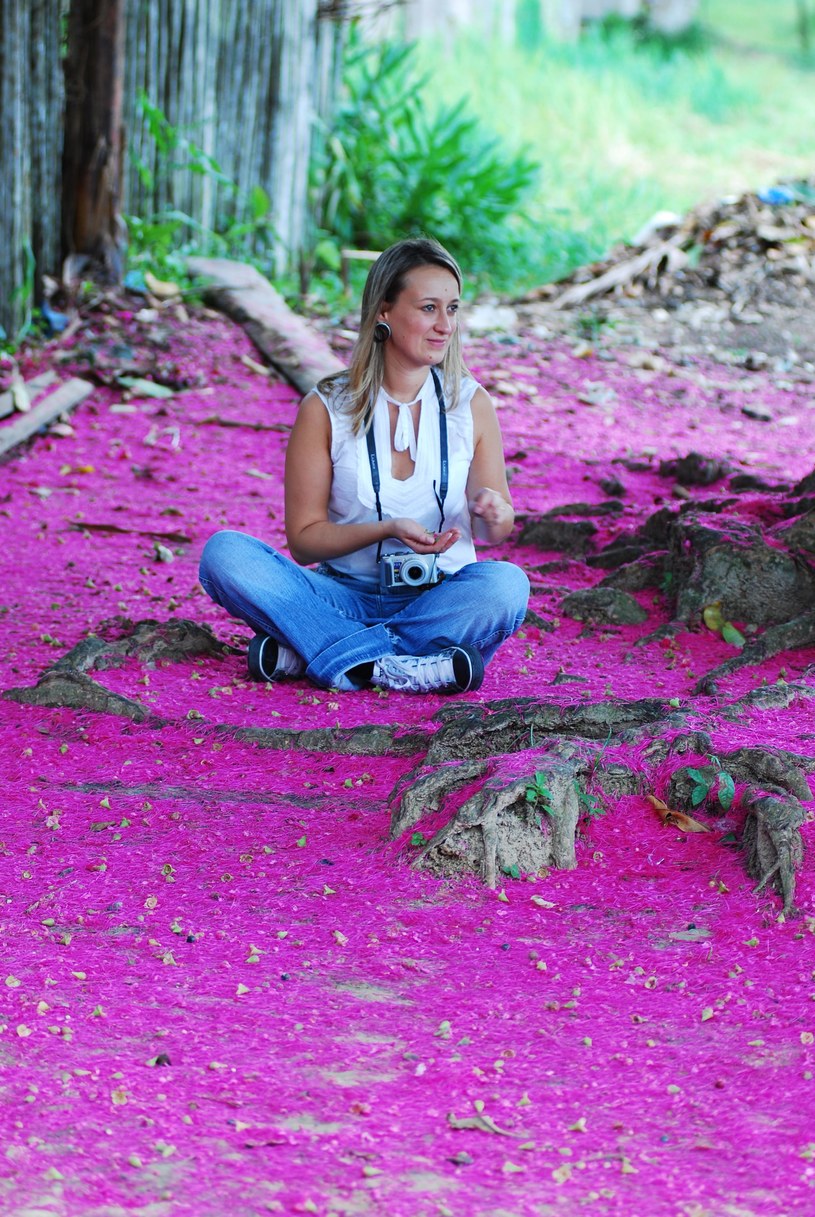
x,y
269,659
455,670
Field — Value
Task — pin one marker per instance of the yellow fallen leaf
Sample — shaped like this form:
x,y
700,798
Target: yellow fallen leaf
x,y
675,819
160,288
712,616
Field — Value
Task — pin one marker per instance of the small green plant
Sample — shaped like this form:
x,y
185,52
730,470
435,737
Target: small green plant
x,y
721,785
418,838
592,807
21,303
590,325
538,793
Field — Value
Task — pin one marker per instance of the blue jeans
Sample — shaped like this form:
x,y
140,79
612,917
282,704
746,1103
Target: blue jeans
x,y
336,622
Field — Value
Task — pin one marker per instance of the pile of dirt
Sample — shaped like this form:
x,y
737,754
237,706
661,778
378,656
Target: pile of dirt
x,y
734,279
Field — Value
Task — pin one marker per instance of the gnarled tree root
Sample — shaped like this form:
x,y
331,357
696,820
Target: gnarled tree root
x,y
772,841
499,828
788,636
74,689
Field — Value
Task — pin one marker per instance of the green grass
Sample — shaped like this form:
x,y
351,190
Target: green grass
x,y
622,129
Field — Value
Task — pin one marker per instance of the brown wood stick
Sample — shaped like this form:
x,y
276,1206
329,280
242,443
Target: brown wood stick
x,y
66,397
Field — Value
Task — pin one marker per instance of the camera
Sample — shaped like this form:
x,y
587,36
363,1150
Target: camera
x,y
407,570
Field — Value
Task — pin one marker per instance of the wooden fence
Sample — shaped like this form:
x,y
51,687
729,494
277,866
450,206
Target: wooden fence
x,y
31,107
239,86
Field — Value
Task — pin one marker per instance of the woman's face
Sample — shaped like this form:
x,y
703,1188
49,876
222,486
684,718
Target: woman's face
x,y
423,318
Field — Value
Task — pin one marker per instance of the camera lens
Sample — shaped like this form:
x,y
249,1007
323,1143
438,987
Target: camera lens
x,y
413,573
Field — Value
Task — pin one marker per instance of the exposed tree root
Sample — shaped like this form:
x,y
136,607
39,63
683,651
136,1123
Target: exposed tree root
x,y
368,740
76,690
772,841
150,641
500,828
511,778
788,636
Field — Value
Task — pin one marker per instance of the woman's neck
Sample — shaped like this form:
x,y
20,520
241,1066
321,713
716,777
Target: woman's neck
x,y
401,386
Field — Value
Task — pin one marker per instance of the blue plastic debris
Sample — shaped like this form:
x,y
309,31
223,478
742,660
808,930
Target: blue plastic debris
x,y
776,195
55,322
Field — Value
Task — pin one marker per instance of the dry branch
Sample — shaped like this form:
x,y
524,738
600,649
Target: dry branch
x,y
65,398
297,352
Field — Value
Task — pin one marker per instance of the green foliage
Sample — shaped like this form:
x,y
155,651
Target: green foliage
x,y
175,149
694,39
539,794
22,298
721,786
625,126
398,164
163,241
591,805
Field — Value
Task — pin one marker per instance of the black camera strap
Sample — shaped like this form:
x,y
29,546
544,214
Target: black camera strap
x,y
441,493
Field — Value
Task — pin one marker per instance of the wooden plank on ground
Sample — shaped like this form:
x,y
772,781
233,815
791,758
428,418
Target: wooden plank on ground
x,y
32,388
65,398
297,351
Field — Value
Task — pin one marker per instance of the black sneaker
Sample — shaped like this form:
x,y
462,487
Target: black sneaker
x,y
458,669
269,659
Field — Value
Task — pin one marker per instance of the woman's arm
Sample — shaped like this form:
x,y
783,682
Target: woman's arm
x,y
491,510
311,536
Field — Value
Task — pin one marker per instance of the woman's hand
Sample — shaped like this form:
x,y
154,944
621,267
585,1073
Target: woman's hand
x,y
491,511
419,539
491,514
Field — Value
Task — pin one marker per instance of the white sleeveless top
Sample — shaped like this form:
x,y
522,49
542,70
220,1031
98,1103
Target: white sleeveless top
x,y
352,499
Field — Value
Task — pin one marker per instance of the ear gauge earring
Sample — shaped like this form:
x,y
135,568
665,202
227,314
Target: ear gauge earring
x,y
382,331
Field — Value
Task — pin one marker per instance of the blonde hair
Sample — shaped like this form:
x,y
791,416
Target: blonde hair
x,y
385,282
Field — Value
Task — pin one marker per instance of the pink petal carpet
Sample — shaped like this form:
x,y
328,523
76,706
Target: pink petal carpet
x,y
224,991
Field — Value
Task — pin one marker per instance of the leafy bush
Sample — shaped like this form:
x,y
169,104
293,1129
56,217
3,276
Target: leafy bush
x,y
394,167
161,242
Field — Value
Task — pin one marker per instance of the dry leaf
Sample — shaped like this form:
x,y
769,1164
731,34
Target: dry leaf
x,y
675,819
160,288
254,366
19,396
480,1123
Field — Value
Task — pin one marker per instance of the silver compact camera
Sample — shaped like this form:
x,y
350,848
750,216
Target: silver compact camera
x,y
407,570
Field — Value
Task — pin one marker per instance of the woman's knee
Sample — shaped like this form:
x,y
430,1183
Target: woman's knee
x,y
222,552
507,585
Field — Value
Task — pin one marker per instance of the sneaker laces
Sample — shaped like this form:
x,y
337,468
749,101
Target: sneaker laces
x,y
416,673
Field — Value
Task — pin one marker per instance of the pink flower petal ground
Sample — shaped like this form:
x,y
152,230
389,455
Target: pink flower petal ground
x,y
223,990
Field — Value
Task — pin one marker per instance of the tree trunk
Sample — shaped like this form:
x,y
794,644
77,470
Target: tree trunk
x,y
15,180
46,116
92,160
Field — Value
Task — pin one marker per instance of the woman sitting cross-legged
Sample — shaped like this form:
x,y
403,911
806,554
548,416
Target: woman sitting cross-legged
x,y
392,469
